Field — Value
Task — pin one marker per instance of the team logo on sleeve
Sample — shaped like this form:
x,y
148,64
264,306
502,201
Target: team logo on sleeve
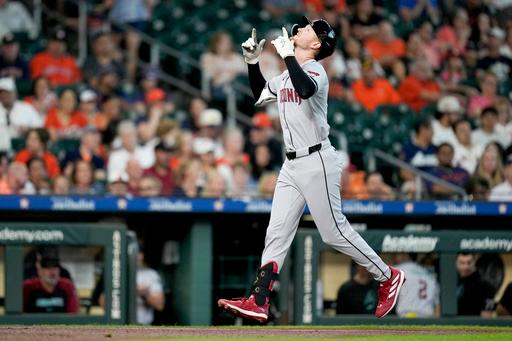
x,y
288,95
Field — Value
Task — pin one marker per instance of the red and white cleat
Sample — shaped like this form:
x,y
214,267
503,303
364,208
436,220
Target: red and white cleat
x,y
245,307
389,291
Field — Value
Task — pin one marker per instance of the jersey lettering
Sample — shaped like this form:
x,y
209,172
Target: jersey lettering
x,y
289,95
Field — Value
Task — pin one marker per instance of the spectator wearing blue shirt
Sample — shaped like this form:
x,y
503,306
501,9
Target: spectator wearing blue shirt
x,y
11,63
445,171
413,9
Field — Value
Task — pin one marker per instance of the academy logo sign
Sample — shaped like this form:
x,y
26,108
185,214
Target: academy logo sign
x,y
409,243
493,244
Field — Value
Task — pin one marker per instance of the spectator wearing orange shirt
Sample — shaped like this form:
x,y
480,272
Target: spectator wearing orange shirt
x,y
64,120
371,91
54,64
37,140
419,88
385,47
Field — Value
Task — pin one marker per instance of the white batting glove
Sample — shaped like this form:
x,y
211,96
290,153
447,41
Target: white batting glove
x,y
252,49
284,45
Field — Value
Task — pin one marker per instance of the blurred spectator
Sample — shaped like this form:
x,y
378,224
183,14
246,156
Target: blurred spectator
x,y
453,37
504,307
371,91
103,57
243,185
108,119
267,184
428,45
42,97
150,292
88,152
475,296
419,89
279,8
11,63
448,112
36,146
134,13
221,65
191,178
16,180
129,149
16,116
89,107
183,149
150,186
467,153
490,166
352,51
204,148
261,133
262,161
49,292
454,74
83,179
359,294
196,107
385,47
215,186
64,120
506,48
489,130
411,10
488,96
233,144
161,170
54,64
478,188
445,171
118,185
16,19
419,152
108,82
503,191
420,293
376,188
38,176
365,20
210,123
60,185
494,61
135,173
271,64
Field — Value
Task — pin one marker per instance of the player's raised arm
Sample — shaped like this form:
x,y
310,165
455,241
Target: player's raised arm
x,y
303,84
252,50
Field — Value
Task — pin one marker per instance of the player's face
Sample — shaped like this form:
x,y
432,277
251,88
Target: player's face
x,y
306,38
465,265
50,275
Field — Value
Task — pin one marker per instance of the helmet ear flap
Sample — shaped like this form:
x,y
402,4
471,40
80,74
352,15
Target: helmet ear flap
x,y
294,30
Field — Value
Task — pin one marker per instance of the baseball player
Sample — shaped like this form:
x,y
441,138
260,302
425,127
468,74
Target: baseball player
x,y
420,294
311,172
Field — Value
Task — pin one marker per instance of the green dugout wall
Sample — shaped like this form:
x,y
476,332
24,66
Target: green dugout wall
x,y
308,247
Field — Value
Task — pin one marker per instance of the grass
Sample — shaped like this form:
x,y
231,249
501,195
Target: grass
x,y
462,337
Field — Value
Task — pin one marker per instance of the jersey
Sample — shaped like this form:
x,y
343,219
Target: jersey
x,y
36,299
419,294
304,121
149,279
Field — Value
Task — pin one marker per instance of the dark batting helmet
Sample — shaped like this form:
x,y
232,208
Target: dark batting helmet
x,y
324,32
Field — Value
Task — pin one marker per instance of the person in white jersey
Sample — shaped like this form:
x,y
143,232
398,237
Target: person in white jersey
x,y
311,173
420,294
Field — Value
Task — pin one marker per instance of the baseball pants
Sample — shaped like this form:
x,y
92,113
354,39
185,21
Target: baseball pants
x,y
315,180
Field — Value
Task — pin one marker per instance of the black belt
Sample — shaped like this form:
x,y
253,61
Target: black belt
x,y
312,149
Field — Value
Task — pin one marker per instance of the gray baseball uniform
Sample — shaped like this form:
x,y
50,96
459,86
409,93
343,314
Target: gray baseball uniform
x,y
311,178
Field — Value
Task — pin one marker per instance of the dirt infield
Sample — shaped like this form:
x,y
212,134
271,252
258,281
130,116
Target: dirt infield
x,y
55,333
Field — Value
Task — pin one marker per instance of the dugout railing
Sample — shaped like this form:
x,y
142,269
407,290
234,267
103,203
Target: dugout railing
x,y
305,272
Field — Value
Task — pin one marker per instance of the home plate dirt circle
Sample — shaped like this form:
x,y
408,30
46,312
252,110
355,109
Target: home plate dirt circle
x,y
55,333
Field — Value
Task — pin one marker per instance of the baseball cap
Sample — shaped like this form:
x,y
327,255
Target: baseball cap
x,y
261,120
58,34
118,177
210,117
324,32
203,145
497,33
7,84
49,259
9,38
87,96
449,104
155,95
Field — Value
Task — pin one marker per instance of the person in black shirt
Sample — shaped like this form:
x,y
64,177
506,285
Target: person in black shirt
x,y
358,295
11,63
505,304
475,296
494,61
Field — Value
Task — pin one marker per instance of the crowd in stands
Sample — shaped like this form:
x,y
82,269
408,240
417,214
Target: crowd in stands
x,y
110,126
